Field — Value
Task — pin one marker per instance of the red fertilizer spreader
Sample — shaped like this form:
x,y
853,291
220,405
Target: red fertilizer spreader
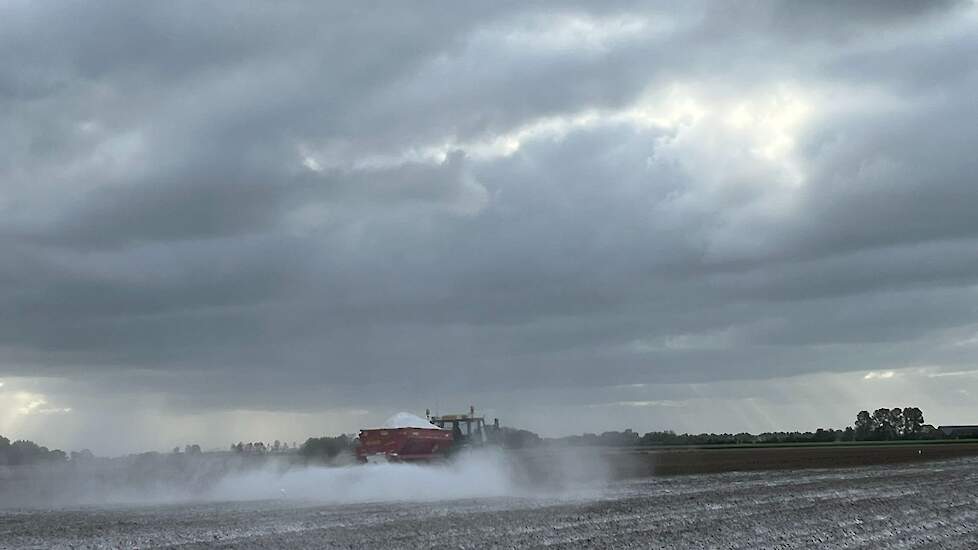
x,y
403,444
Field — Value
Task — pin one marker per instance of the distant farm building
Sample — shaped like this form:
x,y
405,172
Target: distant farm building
x,y
959,431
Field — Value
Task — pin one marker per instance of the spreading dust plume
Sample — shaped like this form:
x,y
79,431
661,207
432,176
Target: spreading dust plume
x,y
162,479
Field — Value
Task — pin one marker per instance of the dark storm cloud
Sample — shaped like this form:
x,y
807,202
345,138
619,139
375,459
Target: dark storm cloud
x,y
218,201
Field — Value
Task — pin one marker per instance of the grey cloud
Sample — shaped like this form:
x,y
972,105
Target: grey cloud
x,y
826,21
240,206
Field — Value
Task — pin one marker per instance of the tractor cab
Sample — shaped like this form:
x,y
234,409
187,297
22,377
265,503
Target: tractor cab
x,y
467,429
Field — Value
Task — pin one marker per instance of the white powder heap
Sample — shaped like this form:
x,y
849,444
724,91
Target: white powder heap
x,y
408,420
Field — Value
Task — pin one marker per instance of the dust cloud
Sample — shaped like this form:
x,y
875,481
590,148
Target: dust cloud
x,y
472,476
483,473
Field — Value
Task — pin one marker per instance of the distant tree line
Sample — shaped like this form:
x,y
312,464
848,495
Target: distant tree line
x,y
513,438
23,452
27,452
883,425
259,447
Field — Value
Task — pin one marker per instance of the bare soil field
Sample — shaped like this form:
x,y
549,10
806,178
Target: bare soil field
x,y
679,461
919,505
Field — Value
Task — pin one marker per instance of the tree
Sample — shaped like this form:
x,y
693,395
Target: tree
x,y
27,452
823,436
913,421
883,424
864,426
896,419
81,455
849,434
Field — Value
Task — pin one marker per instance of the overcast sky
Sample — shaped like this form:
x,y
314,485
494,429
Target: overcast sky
x,y
224,221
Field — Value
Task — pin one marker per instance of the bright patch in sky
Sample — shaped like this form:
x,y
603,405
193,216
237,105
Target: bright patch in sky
x,y
575,32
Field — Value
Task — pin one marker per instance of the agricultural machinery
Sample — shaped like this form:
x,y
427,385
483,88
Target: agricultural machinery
x,y
409,438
